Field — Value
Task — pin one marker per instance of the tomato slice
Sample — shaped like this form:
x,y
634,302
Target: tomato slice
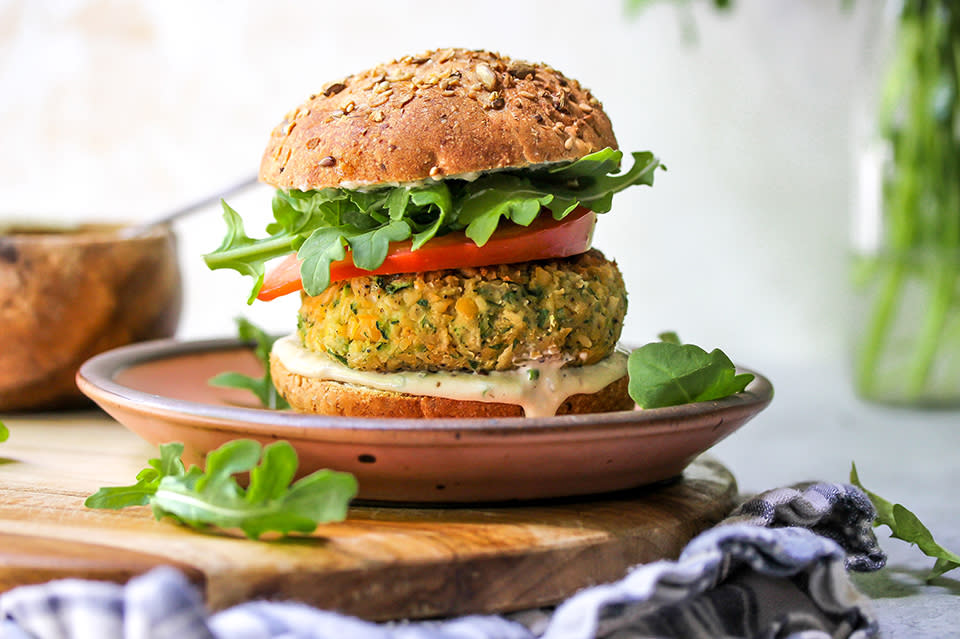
x,y
544,238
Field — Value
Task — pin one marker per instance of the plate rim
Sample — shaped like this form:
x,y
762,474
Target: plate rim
x,y
96,379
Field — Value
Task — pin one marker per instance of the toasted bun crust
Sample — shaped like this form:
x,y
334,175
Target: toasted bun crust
x,y
321,397
441,113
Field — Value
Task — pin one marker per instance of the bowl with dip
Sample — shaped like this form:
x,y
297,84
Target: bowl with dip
x,y
70,292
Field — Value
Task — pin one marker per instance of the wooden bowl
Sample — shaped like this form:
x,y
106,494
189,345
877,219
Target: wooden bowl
x,y
67,294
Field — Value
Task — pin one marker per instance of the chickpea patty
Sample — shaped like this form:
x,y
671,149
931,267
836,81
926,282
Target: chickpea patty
x,y
481,319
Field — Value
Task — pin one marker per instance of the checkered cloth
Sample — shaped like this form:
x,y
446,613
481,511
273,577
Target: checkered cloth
x,y
774,568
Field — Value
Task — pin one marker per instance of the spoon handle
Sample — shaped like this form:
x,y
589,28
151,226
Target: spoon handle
x,y
145,227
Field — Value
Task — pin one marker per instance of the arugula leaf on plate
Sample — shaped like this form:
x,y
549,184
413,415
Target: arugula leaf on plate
x,y
213,498
668,373
4,433
906,526
262,387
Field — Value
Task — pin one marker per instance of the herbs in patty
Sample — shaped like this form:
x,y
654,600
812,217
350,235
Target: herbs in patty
x,y
487,318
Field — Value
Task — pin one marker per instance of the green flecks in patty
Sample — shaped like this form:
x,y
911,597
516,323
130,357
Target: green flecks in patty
x,y
337,356
473,318
486,324
543,318
391,284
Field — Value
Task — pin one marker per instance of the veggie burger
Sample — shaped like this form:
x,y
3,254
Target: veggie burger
x,y
436,214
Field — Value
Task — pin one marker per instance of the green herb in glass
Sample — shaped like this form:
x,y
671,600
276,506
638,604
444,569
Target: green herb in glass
x,y
908,347
909,351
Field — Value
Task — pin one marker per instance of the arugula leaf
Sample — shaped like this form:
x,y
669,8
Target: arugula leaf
x,y
262,387
213,498
906,526
247,255
320,225
148,480
669,336
370,248
4,433
509,196
438,196
668,373
596,164
596,192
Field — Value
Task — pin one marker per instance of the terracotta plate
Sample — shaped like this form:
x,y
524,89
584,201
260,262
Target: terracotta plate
x,y
159,390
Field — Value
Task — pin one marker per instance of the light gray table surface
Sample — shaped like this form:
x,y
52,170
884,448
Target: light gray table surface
x,y
813,429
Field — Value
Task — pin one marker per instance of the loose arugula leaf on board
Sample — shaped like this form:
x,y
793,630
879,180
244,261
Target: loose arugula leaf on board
x,y
148,479
213,498
262,387
906,526
669,373
321,224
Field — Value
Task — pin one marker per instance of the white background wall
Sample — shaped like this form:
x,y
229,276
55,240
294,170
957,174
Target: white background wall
x,y
119,110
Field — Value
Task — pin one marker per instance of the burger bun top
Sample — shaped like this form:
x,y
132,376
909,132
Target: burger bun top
x,y
444,113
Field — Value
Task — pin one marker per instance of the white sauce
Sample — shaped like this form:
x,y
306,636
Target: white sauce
x,y
539,397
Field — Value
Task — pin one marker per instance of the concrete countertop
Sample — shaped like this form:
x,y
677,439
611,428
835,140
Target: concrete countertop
x,y
814,429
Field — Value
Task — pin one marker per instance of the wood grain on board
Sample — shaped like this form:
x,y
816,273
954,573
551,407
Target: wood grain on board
x,y
382,563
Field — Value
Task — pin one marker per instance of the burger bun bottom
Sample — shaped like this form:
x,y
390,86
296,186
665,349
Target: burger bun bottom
x,y
326,397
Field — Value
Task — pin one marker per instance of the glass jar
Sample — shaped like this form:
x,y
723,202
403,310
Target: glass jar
x,y
906,271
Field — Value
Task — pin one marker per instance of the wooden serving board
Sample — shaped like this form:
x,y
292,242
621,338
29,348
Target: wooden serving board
x,y
382,563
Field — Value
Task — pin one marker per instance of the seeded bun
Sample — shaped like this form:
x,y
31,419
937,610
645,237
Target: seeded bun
x,y
443,113
324,397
